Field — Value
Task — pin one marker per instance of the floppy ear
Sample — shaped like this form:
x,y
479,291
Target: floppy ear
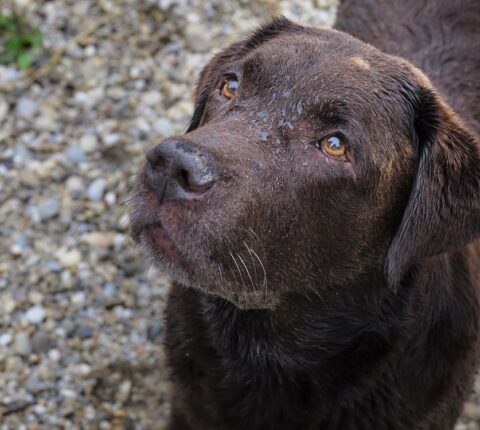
x,y
212,71
443,211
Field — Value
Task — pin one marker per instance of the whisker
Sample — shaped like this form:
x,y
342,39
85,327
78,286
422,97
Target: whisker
x,y
317,294
265,280
251,258
238,268
221,274
256,237
248,272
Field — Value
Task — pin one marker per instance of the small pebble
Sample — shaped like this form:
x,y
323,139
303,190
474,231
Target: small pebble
x,y
84,332
83,369
96,189
198,38
124,391
22,344
66,279
3,109
54,266
76,154
111,139
67,393
109,289
110,198
20,244
89,143
90,51
154,331
164,126
54,355
45,123
69,326
40,409
7,304
35,297
78,298
122,313
35,385
99,239
5,339
75,183
49,208
70,258
16,249
41,342
151,98
26,108
21,154
35,314
471,410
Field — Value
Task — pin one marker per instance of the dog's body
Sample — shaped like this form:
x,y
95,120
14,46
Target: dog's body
x,y
314,292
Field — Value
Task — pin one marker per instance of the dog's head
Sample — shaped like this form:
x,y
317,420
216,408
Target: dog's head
x,y
312,161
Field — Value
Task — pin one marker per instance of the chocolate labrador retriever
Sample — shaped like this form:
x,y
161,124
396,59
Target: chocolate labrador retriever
x,y
318,220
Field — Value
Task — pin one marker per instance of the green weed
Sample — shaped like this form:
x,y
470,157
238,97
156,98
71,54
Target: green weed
x,y
19,41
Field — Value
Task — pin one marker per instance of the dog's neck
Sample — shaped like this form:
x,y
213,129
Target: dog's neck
x,y
304,345
304,325
325,354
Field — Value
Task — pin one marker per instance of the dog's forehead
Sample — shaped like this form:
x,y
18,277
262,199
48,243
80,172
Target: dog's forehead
x,y
326,60
328,72
334,77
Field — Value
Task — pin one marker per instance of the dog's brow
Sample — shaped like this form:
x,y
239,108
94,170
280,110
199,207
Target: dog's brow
x,y
254,68
330,111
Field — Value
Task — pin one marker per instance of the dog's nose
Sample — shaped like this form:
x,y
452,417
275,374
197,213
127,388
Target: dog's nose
x,y
176,170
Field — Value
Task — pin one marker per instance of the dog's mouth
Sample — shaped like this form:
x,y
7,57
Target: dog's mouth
x,y
156,239
159,246
177,239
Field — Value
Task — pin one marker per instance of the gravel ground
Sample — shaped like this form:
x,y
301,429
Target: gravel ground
x,y
80,313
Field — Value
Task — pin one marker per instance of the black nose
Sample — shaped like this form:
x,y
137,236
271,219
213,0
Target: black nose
x,y
176,170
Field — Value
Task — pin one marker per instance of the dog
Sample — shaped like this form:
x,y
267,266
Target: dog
x,y
320,220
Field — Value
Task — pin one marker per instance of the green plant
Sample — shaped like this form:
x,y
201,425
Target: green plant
x,y
18,40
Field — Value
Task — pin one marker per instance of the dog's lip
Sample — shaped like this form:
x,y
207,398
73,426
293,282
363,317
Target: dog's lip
x,y
155,236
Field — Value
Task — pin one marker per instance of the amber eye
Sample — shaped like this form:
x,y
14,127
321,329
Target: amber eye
x,y
334,146
229,88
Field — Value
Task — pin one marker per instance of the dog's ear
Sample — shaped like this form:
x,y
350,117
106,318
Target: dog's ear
x,y
443,211
212,71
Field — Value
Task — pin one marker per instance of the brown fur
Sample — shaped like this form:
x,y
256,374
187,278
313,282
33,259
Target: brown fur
x,y
309,292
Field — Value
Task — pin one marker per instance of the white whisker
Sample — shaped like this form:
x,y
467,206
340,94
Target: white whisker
x,y
238,268
248,272
265,280
251,258
221,274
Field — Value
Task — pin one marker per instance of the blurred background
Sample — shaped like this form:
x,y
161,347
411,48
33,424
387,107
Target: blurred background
x,y
86,86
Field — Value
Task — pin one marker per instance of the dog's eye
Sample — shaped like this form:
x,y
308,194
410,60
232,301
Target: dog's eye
x,y
334,145
229,88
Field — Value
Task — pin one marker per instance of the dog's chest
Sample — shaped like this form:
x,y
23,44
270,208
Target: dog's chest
x,y
243,364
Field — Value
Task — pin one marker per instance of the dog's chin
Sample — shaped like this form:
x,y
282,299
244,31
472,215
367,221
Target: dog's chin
x,y
167,259
242,300
253,300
